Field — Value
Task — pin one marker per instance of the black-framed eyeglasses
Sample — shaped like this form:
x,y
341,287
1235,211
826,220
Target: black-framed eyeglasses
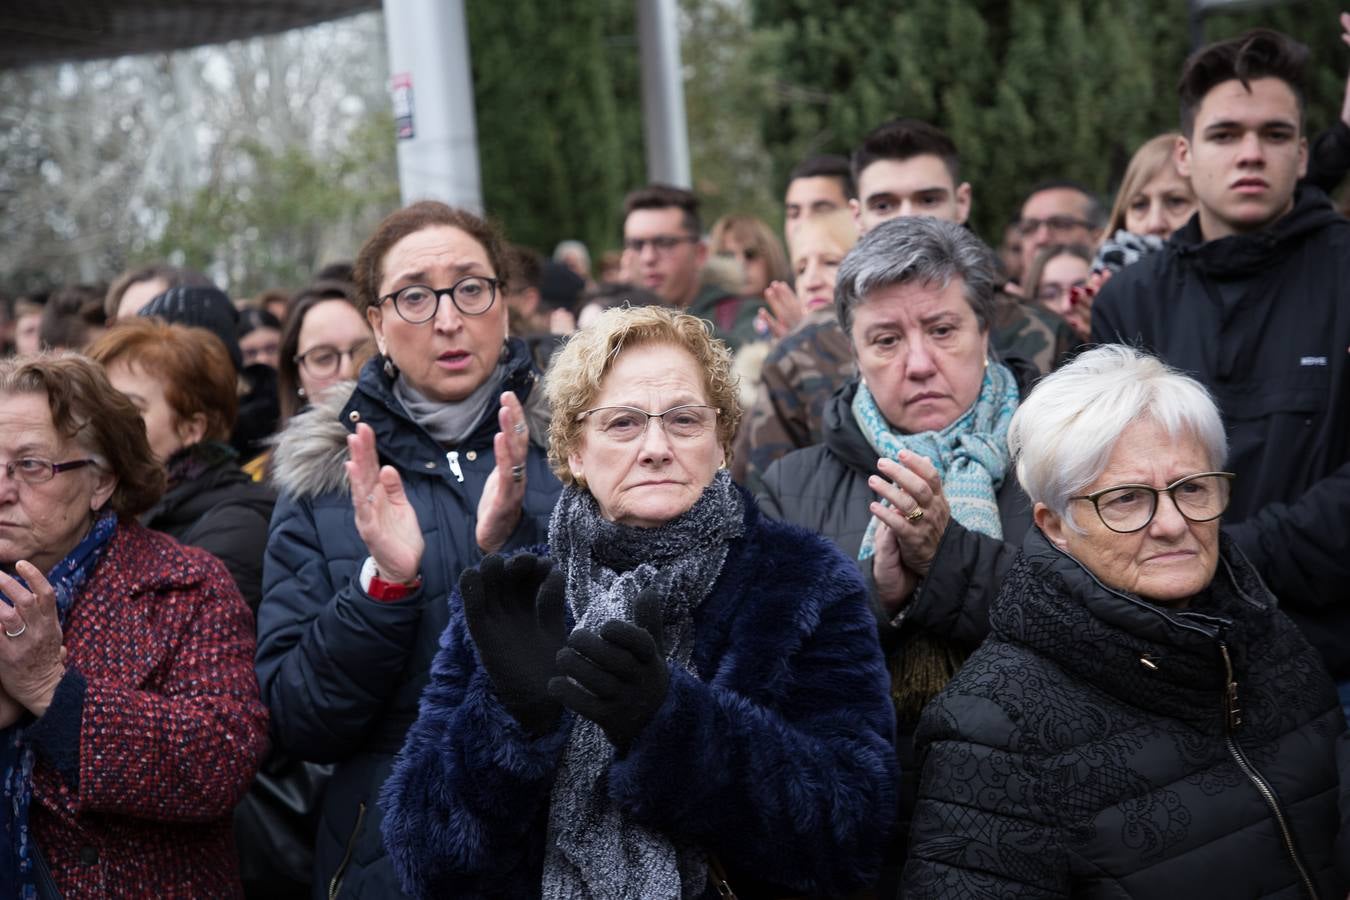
x,y
1127,508
622,424
663,243
1056,224
325,359
472,295
36,470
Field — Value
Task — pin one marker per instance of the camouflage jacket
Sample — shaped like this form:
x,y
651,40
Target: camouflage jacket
x,y
813,361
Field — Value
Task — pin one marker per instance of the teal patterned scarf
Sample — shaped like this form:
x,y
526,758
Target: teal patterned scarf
x,y
971,454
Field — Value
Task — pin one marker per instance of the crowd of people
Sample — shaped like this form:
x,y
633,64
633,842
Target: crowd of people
x,y
871,561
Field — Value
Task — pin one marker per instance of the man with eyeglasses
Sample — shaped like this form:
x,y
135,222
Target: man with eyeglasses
x,y
1252,297
1059,211
664,252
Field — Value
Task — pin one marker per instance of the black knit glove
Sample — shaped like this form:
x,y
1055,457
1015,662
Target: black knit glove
x,y
515,614
618,678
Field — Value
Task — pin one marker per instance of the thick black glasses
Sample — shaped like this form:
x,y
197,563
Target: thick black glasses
x,y
622,424
417,303
36,470
1130,507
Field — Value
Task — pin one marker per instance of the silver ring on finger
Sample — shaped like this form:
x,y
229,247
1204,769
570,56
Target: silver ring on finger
x,y
518,473
14,634
519,428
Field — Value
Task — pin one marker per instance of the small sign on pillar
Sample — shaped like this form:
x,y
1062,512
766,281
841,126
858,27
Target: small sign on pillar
x,y
401,93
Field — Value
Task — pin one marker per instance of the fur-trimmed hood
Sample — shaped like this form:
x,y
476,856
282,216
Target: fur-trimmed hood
x,y
308,456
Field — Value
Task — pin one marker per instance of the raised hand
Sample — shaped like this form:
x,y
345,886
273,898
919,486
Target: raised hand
x,y
784,312
516,616
911,485
499,509
385,520
32,660
619,677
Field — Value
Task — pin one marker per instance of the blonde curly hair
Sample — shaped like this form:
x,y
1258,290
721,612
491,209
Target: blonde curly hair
x,y
578,370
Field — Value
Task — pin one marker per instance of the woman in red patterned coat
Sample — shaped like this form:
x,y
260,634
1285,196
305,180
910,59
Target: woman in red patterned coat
x,y
130,717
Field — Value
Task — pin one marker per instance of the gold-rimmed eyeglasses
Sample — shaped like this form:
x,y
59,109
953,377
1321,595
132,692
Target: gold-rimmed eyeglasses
x,y
1126,508
622,424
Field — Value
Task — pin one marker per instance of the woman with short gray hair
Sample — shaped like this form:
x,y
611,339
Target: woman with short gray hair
x,y
1143,721
914,477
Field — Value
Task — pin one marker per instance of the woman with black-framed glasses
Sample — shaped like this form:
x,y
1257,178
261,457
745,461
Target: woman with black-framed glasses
x,y
444,419
1143,720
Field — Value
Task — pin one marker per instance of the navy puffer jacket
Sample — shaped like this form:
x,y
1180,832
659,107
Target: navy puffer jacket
x,y
1098,745
340,671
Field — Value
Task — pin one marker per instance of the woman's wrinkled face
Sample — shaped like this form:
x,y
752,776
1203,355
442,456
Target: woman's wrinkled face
x,y
43,522
1167,561
449,357
331,338
167,433
1162,205
659,474
922,353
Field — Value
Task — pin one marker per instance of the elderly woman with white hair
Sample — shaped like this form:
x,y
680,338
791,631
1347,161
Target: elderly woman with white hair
x,y
1143,721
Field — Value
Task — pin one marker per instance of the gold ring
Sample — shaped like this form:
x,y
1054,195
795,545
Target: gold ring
x,y
915,514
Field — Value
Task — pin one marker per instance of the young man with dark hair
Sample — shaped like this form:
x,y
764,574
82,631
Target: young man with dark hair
x,y
1251,297
664,252
907,167
817,185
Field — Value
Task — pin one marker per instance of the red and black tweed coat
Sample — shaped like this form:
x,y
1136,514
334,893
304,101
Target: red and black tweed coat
x,y
171,733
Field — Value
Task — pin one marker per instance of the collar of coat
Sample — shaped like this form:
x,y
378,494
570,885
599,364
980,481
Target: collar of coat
x,y
309,454
1155,658
1242,255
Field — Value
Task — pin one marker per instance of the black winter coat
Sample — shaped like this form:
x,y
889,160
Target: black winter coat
x,y
225,513
1263,321
1087,748
824,489
340,671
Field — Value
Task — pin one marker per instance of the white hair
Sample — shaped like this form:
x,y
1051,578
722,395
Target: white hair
x,y
1064,432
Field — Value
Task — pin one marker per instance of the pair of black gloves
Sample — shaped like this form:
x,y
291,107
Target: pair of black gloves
x,y
516,613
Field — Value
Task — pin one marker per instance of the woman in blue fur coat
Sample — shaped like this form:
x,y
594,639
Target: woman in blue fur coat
x,y
679,697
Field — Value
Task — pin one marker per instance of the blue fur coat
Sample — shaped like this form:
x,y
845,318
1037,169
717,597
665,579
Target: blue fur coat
x,y
777,757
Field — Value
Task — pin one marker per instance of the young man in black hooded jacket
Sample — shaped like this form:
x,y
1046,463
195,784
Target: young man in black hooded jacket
x,y
1252,297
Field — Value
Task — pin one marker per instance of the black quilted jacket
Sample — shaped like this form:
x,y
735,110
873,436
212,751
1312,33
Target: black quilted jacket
x,y
1097,745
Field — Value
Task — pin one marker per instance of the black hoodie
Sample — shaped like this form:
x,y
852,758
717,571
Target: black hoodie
x,y
1263,321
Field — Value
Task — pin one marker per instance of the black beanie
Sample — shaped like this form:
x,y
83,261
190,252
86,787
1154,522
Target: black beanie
x,y
202,307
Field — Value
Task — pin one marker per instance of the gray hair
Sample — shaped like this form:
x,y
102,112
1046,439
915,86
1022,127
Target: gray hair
x,y
1064,432
920,250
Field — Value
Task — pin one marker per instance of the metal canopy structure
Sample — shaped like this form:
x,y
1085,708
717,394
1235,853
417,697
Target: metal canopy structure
x,y
54,31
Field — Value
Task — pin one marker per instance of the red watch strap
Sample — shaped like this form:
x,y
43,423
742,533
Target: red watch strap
x,y
387,591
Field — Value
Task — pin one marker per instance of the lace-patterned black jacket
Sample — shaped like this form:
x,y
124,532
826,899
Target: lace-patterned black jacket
x,y
1089,748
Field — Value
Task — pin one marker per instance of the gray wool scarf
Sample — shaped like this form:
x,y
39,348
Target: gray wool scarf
x,y
594,850
450,423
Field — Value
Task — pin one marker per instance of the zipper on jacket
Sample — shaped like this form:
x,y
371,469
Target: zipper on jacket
x,y
336,884
452,457
1232,716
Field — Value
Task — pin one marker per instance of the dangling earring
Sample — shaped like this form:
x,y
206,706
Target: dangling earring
x,y
390,371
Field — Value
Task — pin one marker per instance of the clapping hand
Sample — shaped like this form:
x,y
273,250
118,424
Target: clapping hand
x,y
516,617
385,520
617,678
784,312
499,508
32,658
